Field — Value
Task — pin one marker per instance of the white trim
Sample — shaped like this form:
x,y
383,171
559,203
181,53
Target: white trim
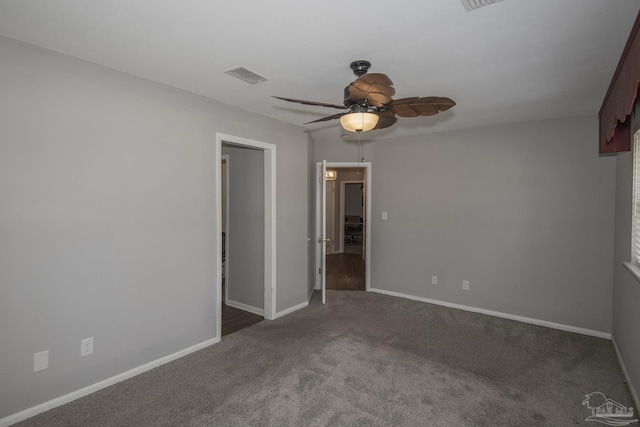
x,y
58,401
270,219
292,309
323,223
627,378
217,173
245,307
225,225
270,246
523,319
633,268
318,231
368,226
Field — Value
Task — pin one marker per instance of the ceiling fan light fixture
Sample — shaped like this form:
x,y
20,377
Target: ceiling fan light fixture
x,y
359,122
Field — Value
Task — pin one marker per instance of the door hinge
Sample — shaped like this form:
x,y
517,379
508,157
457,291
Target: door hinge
x,y
320,270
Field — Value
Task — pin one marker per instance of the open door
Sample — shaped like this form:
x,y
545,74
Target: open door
x,y
322,240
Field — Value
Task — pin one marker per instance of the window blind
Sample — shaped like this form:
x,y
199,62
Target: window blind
x,y
635,221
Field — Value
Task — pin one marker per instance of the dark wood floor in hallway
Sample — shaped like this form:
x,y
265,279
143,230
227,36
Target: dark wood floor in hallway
x,y
345,272
234,319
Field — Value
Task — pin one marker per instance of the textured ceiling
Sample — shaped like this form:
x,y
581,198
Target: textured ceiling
x,y
511,61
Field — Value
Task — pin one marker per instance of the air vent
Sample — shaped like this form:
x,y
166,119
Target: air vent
x,y
474,4
246,75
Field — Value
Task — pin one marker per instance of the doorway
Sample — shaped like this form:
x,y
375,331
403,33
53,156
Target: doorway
x,y
351,214
236,316
265,185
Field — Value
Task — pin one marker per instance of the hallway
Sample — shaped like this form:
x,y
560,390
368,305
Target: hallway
x,y
345,271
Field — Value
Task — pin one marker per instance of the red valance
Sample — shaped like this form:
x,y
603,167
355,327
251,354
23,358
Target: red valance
x,y
615,128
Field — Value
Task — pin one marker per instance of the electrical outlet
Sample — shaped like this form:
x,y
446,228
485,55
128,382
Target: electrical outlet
x,y
465,285
40,361
434,280
86,347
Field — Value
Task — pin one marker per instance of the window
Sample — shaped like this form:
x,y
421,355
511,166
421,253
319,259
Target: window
x,y
635,219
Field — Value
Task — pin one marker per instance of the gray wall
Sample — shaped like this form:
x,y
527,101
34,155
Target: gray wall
x,y
108,219
524,212
245,239
626,289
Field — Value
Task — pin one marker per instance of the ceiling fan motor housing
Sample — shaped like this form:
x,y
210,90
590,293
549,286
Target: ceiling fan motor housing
x,y
360,68
355,106
347,98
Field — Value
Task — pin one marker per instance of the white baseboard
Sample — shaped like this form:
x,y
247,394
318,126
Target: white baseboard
x,y
260,312
523,319
292,309
58,401
245,307
636,401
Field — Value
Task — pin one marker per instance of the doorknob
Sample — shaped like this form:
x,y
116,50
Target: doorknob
x,y
320,240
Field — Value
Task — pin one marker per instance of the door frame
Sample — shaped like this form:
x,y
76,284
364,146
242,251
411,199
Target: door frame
x,y
269,222
320,182
225,223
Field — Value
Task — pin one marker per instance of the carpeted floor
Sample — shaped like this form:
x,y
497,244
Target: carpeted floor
x,y
366,360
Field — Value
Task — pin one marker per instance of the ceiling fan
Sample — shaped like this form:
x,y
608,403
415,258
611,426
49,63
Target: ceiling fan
x,y
369,103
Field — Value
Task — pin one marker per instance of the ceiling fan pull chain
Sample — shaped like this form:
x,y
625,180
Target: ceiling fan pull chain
x,y
359,147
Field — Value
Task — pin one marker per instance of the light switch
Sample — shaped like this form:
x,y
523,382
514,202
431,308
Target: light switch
x,y
384,216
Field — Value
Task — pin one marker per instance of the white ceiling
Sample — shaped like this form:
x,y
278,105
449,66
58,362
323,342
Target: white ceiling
x,y
515,60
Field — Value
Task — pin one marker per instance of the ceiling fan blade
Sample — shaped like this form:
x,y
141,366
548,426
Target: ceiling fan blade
x,y
376,78
324,119
441,102
420,106
321,104
386,119
376,88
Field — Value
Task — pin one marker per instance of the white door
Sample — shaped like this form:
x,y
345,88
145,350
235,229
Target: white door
x,y
322,240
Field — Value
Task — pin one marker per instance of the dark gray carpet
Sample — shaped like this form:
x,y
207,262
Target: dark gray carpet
x,y
366,360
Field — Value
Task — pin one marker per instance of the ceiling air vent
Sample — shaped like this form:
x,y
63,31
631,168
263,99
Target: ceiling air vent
x,y
246,75
474,4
